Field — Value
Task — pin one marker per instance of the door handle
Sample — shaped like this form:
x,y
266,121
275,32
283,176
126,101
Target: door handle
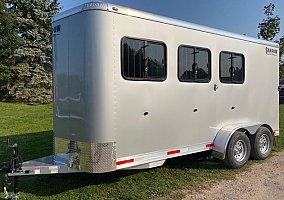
x,y
215,87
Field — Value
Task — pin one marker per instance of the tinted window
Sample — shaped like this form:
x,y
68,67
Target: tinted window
x,y
232,69
143,59
194,64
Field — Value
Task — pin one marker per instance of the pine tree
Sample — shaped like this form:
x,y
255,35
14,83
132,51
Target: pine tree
x,y
33,59
9,40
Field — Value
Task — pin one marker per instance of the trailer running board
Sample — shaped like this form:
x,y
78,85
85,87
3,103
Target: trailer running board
x,y
54,164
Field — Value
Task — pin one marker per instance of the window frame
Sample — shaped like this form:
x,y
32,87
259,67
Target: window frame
x,y
152,42
243,63
209,62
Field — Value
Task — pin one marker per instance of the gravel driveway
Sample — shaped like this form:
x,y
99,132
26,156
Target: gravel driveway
x,y
262,181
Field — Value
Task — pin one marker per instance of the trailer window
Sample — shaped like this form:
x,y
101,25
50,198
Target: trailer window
x,y
143,60
194,64
232,68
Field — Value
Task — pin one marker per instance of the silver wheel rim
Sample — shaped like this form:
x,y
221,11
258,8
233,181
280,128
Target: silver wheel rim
x,y
240,150
264,144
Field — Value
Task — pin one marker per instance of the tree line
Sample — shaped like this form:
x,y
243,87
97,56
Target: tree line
x,y
26,51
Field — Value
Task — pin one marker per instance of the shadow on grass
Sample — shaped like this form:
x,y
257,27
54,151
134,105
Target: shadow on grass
x,y
37,145
31,146
201,160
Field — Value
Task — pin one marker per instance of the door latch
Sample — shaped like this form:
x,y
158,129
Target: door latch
x,y
215,87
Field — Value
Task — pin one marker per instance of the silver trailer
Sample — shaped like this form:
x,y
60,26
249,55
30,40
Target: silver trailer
x,y
133,89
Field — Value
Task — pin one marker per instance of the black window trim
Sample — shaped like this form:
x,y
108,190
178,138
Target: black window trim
x,y
210,64
244,67
144,79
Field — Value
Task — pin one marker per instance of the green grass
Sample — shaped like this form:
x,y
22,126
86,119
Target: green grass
x,y
31,128
280,139
18,119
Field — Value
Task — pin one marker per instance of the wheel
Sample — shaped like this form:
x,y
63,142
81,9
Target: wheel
x,y
238,150
261,143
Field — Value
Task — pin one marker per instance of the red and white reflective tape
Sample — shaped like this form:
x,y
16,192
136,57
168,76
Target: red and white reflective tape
x,y
173,152
122,162
276,133
136,160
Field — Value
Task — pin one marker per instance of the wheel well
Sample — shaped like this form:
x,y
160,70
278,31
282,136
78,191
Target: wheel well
x,y
224,135
269,127
249,134
245,131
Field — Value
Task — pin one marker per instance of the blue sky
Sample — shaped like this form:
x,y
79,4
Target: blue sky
x,y
239,16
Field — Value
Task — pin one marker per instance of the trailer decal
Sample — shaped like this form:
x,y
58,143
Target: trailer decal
x,y
270,51
37,170
53,169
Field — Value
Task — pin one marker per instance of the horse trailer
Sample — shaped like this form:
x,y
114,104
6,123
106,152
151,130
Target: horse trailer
x,y
133,89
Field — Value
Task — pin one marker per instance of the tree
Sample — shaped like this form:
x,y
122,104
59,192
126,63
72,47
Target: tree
x,y
281,49
281,55
6,77
9,40
33,59
270,26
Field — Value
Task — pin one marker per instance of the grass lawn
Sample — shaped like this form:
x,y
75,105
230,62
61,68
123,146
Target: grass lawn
x,y
31,128
280,139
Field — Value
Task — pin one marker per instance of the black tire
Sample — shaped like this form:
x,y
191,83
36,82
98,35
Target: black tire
x,y
238,150
261,143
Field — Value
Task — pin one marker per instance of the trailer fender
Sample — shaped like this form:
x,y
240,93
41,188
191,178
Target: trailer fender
x,y
224,134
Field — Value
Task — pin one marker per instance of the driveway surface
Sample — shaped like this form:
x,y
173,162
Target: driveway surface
x,y
262,181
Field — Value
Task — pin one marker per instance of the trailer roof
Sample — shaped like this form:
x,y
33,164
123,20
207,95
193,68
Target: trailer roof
x,y
93,5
